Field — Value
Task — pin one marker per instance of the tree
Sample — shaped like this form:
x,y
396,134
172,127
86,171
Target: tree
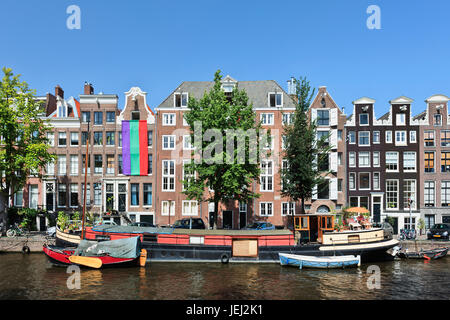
x,y
304,153
23,133
225,159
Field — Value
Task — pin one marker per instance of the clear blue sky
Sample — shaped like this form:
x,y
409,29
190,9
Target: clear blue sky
x,y
158,44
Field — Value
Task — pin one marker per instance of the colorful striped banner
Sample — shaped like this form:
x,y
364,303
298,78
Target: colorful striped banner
x,y
135,148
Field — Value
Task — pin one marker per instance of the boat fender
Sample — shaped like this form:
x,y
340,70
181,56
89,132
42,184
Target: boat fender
x,y
224,258
26,249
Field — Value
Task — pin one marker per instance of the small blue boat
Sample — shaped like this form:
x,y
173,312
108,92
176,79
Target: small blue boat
x,y
324,262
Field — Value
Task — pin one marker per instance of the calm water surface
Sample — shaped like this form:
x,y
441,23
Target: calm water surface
x,y
33,277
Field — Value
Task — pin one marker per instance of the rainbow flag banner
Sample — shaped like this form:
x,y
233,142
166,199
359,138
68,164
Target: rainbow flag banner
x,y
134,148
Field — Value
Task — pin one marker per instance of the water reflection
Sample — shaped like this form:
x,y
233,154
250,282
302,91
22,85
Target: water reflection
x,y
32,277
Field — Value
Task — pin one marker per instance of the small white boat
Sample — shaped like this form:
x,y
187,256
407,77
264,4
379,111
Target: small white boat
x,y
325,262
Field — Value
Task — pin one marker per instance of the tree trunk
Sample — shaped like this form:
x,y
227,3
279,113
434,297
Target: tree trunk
x,y
303,205
216,213
3,210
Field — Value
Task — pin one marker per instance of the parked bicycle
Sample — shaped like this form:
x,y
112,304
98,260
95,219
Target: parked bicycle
x,y
15,231
407,234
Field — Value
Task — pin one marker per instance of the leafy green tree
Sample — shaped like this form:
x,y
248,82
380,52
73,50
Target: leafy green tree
x,y
23,133
304,153
225,160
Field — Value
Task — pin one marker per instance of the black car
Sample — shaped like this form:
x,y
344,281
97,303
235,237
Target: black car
x,y
439,231
143,224
189,223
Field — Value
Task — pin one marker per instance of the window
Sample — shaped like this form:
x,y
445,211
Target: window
x,y
50,168
364,202
409,161
168,143
284,168
445,161
169,119
391,161
120,163
109,196
190,208
18,199
98,138
376,181
34,194
86,116
376,159
62,139
120,139
84,138
409,194
88,194
266,177
88,164
51,139
429,194
188,175
98,164
339,133
110,164
376,137
265,209
275,100
388,136
364,159
110,138
110,116
150,138
428,137
438,119
354,201
74,138
445,138
135,115
325,135
150,164
97,194
364,138
364,181
61,165
62,111
268,145
288,208
62,195
412,137
400,138
288,118
283,142
74,195
181,99
429,161
363,119
267,119
98,118
187,143
445,193
323,190
323,117
401,119
351,137
352,181
147,194
410,225
168,175
74,164
135,194
352,159
167,207
391,194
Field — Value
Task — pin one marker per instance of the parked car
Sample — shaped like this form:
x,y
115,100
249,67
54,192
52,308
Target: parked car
x,y
51,231
387,228
439,231
260,225
106,223
143,224
189,223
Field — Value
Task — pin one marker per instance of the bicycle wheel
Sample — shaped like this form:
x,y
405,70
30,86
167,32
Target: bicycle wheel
x,y
11,233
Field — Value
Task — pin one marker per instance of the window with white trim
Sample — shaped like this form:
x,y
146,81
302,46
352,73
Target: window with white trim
x,y
168,142
376,137
376,181
180,100
412,137
388,136
266,177
376,158
167,207
168,175
391,161
409,194
352,181
400,138
288,208
187,143
429,193
352,159
189,208
169,119
275,99
267,119
364,138
364,159
401,119
364,181
409,161
266,209
391,194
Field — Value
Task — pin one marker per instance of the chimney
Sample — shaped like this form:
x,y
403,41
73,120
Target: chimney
x,y
88,88
59,92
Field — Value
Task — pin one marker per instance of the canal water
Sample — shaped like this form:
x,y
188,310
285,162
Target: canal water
x,y
32,277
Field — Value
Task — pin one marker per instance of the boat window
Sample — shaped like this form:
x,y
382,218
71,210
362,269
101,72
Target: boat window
x,y
353,238
329,223
304,223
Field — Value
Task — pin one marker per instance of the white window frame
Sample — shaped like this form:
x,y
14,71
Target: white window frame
x,y
359,181
415,161
368,119
399,121
388,136
73,171
413,193
192,205
168,175
170,141
276,105
267,173
403,142
266,206
368,139
352,156
267,119
413,134
352,133
397,196
170,206
386,162
350,175
181,101
187,143
376,186
169,119
360,158
290,208
376,135
376,158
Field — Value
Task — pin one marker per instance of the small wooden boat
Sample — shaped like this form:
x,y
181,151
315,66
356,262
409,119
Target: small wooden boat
x,y
325,262
431,254
93,254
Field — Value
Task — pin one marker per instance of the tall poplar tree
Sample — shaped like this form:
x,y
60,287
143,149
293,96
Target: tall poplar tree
x,y
304,153
224,132
23,133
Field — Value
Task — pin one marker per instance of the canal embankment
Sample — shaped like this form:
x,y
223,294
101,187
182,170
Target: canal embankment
x,y
31,243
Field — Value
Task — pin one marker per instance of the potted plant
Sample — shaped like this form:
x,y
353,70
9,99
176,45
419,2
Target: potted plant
x,y
421,226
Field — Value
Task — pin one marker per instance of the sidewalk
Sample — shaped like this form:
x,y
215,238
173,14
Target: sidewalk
x,y
34,242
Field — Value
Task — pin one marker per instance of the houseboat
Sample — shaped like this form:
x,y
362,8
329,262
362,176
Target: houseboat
x,y
314,236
